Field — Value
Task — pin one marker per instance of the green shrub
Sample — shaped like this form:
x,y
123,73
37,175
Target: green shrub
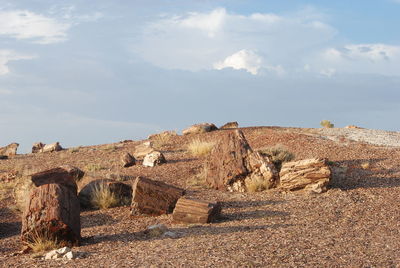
x,y
278,154
327,124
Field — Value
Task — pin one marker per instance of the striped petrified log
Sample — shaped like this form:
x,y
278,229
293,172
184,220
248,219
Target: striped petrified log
x,y
153,197
195,211
52,209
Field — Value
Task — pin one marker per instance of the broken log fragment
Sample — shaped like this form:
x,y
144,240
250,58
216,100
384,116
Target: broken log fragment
x,y
53,209
153,197
196,211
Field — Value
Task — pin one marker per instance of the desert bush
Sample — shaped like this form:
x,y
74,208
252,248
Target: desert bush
x,y
257,185
278,154
94,167
162,139
108,148
103,197
326,124
200,148
42,241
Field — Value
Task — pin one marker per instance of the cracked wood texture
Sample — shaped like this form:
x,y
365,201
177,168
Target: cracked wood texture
x,y
195,211
53,208
153,197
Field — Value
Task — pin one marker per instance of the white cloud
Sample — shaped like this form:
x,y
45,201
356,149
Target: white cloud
x,y
200,41
23,24
362,58
9,55
243,59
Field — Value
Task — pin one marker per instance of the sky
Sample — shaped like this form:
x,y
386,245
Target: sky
x,y
93,72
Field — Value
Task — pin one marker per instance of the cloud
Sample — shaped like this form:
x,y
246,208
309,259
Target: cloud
x,y
24,24
216,39
361,58
243,59
9,55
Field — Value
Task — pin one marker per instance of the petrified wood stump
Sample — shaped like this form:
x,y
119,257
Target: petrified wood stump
x,y
195,211
153,197
53,208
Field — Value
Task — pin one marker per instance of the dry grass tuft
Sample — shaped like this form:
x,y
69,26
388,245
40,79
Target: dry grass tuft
x,y
365,165
162,139
42,241
326,124
257,185
200,148
94,167
103,197
278,153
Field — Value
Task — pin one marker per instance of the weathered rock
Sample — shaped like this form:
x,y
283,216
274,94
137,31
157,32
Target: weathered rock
x,y
54,147
64,253
195,211
37,147
230,125
162,134
156,230
128,160
232,165
143,149
154,158
74,172
353,126
199,128
53,208
153,197
9,150
121,190
308,174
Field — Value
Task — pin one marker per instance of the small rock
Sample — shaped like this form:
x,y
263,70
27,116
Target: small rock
x,y
128,160
69,255
9,150
37,147
51,255
154,158
230,125
54,147
143,149
156,230
199,128
63,250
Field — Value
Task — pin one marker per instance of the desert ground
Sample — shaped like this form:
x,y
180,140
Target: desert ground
x,y
355,223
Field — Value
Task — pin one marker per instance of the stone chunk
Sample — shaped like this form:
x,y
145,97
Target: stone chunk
x,y
199,128
143,149
9,150
154,158
195,211
308,174
230,125
128,160
37,147
153,197
232,165
53,147
53,208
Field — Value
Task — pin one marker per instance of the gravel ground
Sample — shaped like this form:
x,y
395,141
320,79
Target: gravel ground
x,y
356,223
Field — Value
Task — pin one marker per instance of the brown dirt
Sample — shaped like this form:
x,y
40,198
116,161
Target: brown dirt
x,y
355,224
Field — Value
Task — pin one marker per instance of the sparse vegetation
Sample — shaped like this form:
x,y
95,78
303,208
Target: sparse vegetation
x,y
162,139
326,124
278,153
365,165
42,241
103,197
94,167
200,148
257,185
108,148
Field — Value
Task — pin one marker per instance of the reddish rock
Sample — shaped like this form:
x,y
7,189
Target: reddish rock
x,y
199,128
189,210
9,150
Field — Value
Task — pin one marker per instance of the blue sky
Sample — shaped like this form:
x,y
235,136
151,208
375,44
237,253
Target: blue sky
x,y
91,72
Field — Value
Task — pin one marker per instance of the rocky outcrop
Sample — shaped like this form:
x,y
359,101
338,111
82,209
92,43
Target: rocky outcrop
x,y
53,208
9,150
128,160
153,197
309,174
230,125
199,128
232,165
39,147
154,158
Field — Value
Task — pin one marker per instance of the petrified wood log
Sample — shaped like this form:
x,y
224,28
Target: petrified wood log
x,y
232,165
309,174
153,197
195,211
53,208
9,150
